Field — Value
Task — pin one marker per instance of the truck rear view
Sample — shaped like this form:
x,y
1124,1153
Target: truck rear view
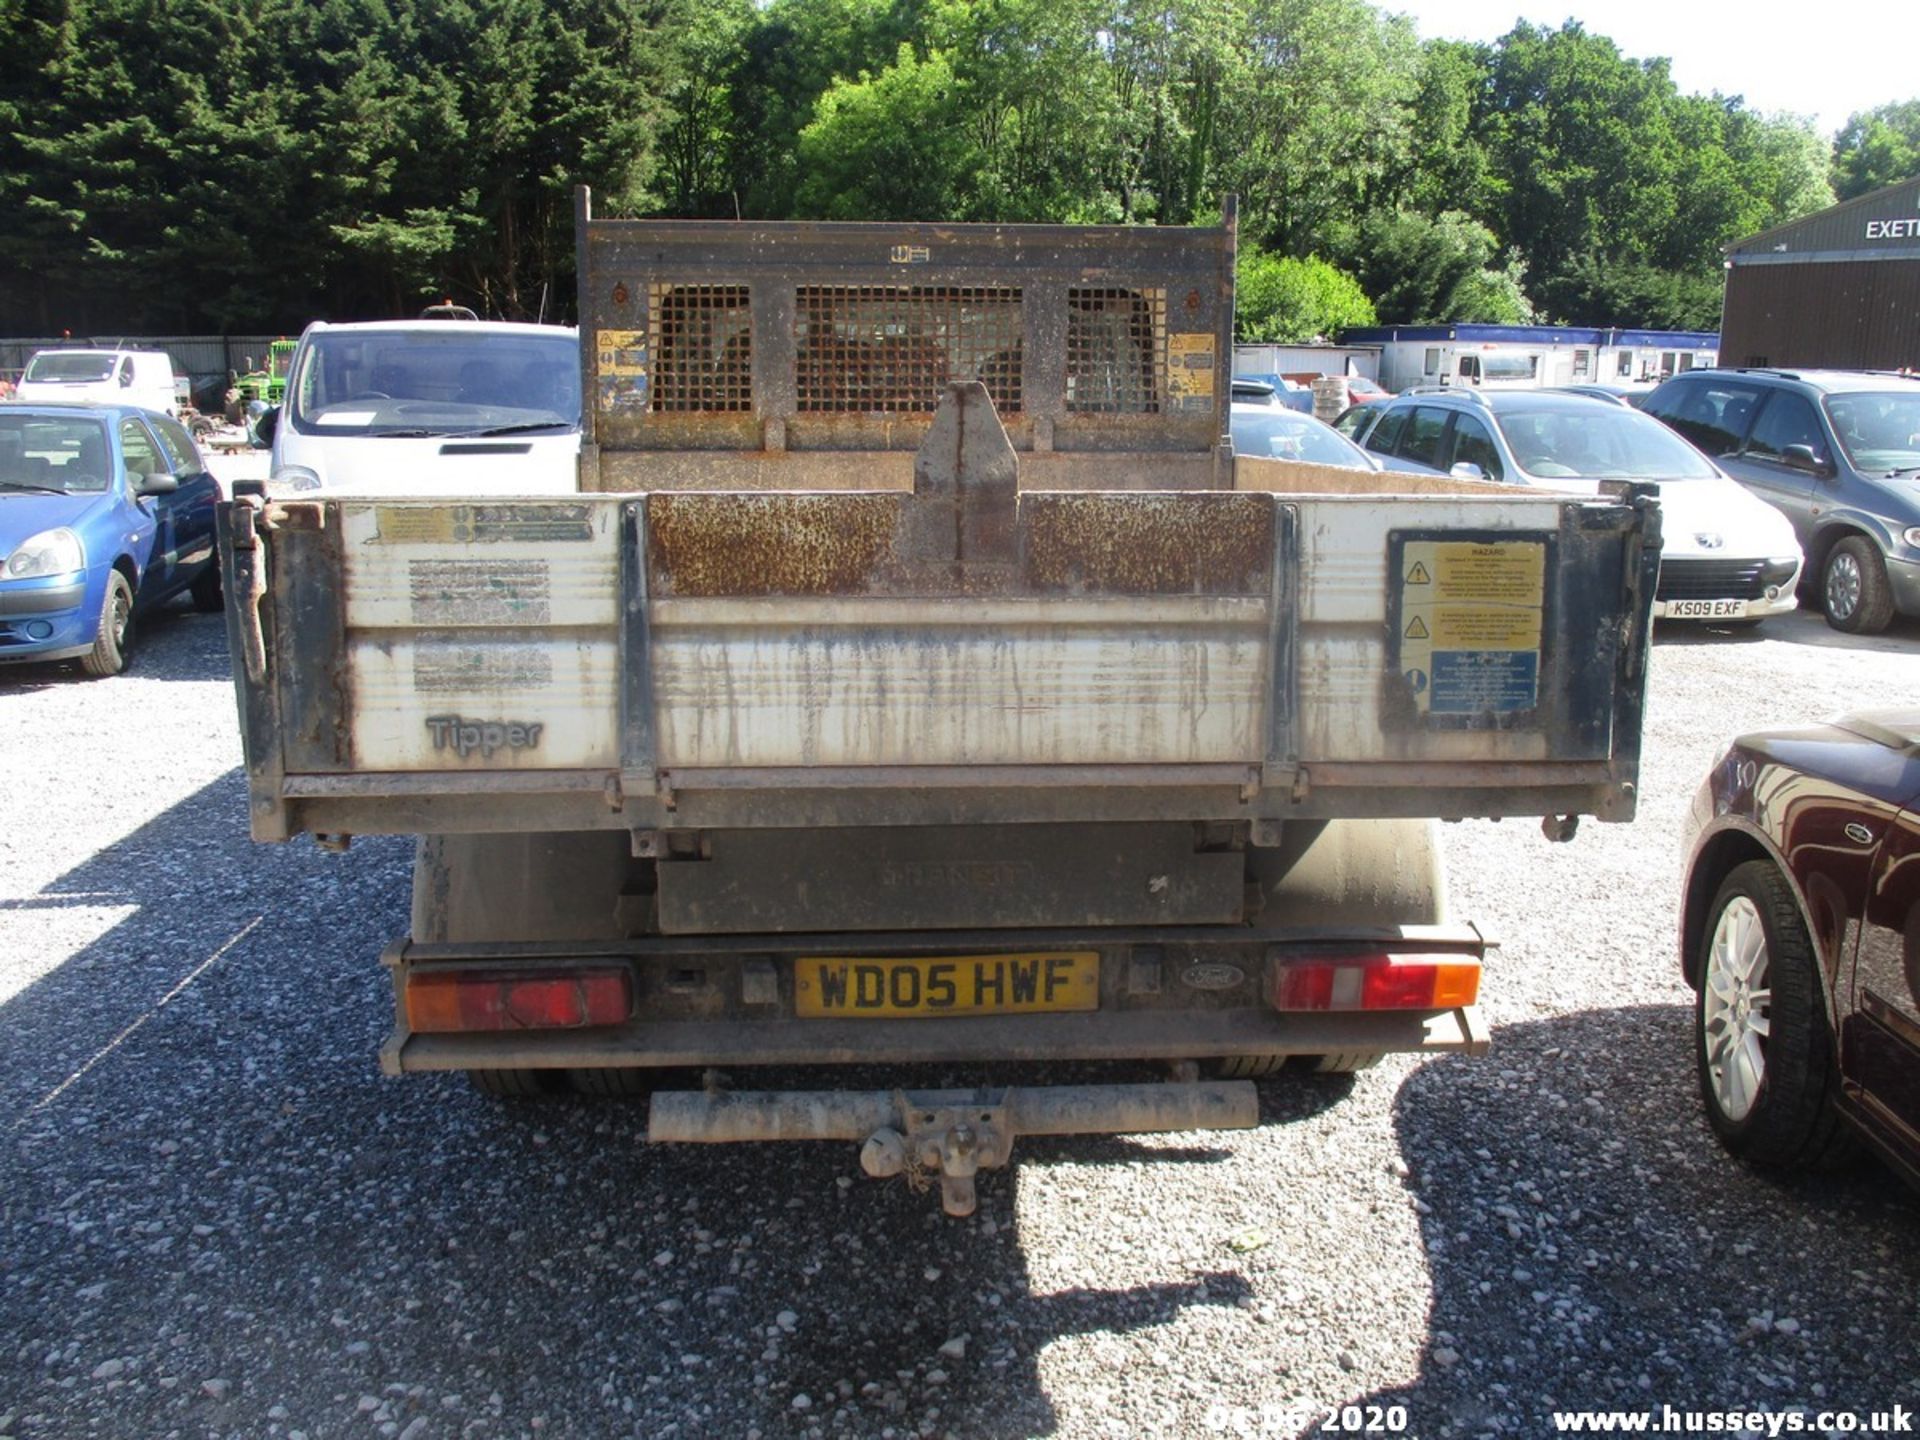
x,y
920,678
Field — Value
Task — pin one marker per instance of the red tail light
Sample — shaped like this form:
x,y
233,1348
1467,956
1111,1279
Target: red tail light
x,y
487,1000
1375,982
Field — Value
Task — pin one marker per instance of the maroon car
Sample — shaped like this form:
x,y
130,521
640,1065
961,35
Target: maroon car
x,y
1800,931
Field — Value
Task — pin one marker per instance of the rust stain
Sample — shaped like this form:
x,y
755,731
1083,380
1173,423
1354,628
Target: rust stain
x,y
1211,543
712,544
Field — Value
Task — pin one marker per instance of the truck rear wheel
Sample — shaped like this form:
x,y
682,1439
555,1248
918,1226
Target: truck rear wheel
x,y
515,1084
1259,1067
627,1082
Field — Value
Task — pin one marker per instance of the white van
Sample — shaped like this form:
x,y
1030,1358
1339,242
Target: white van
x,y
115,377
430,406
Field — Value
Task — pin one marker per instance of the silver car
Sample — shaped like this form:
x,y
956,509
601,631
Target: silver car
x,y
1727,557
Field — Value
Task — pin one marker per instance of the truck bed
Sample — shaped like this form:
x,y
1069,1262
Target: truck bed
x,y
883,657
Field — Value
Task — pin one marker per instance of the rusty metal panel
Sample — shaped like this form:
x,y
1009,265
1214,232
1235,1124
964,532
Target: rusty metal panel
x,y
951,877
782,543
1211,543
770,336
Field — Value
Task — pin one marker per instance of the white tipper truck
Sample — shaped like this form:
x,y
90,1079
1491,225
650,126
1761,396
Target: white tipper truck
x,y
919,677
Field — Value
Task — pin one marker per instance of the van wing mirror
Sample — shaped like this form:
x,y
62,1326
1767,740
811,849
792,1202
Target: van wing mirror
x,y
260,432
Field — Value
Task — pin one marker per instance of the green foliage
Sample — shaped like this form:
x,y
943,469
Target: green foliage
x,y
1424,271
1282,300
1590,291
210,165
1878,148
891,146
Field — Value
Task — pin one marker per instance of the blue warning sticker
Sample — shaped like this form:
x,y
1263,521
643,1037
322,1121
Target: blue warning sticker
x,y
1484,681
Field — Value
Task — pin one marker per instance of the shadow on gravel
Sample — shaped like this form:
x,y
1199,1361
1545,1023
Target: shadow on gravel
x,y
175,642
219,1218
1592,1247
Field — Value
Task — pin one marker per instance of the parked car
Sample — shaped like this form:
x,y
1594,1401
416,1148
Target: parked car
x,y
442,404
142,378
1798,934
1630,395
1360,390
106,512
1274,434
1727,556
1837,451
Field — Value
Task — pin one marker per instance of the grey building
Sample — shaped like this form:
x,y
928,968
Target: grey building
x,y
1837,289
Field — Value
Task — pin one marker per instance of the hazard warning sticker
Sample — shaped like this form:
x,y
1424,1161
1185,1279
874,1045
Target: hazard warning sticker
x,y
1469,624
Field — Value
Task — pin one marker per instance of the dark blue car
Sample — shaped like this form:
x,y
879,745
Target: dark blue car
x,y
106,512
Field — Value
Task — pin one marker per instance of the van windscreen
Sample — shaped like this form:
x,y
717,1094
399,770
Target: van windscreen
x,y
446,381
70,366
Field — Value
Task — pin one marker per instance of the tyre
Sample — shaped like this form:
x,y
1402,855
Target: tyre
x,y
114,638
623,1083
207,598
515,1084
1764,1051
1247,1067
1853,588
1258,1067
1343,1062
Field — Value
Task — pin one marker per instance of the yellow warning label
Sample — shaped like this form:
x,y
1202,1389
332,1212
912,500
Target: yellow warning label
x,y
1510,573
1458,628
415,525
1471,620
1190,365
622,352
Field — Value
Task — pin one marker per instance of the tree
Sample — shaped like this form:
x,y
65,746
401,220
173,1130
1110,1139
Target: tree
x,y
890,146
1877,148
1593,291
1312,116
1433,271
1280,299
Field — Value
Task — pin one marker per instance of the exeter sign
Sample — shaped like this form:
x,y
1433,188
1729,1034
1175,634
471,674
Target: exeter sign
x,y
1893,229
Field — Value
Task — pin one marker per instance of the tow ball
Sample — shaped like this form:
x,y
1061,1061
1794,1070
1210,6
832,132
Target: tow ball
x,y
949,1135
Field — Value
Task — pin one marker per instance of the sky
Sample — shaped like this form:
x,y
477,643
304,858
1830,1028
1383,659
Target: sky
x,y
1826,61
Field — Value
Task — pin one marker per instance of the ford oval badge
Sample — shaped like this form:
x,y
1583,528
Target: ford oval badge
x,y
1213,975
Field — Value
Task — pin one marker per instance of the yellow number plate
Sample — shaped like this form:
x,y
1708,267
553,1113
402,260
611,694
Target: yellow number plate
x,y
829,987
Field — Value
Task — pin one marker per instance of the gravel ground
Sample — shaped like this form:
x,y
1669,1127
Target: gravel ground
x,y
217,1219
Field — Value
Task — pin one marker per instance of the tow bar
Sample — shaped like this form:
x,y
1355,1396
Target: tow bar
x,y
949,1133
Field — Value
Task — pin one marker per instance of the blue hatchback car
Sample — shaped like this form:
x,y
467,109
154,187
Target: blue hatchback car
x,y
106,512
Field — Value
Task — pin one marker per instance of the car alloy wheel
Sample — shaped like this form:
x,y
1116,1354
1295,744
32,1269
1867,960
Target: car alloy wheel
x,y
1843,585
1736,1004
1762,1046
